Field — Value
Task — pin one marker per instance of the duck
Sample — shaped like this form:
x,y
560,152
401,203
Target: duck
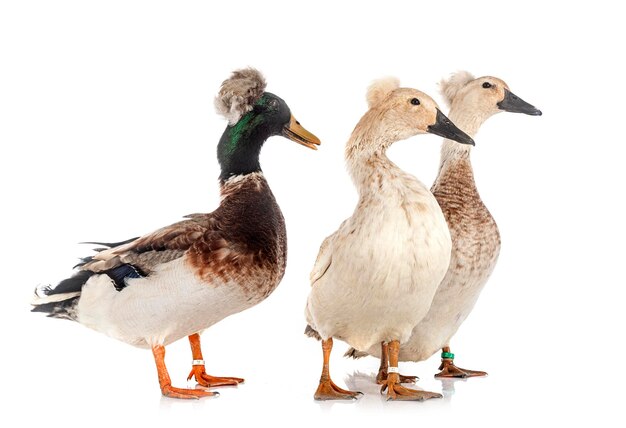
x,y
375,277
475,235
179,280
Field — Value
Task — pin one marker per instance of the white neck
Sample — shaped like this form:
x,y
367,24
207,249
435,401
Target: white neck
x,y
366,157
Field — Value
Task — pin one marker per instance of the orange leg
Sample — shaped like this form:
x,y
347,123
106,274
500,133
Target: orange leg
x,y
395,391
197,369
448,369
166,383
327,390
384,364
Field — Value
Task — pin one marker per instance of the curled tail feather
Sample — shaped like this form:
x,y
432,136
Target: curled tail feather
x,y
60,301
310,331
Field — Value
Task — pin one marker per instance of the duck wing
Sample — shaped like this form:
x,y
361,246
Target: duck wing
x,y
325,256
323,261
161,246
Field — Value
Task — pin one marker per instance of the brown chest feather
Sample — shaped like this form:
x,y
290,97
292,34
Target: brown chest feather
x,y
475,235
246,242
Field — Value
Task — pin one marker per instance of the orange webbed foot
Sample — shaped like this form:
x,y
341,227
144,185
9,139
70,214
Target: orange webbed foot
x,y
204,379
172,392
449,370
452,371
327,390
397,392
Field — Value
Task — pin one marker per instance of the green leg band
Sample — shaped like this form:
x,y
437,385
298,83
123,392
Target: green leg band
x,y
449,355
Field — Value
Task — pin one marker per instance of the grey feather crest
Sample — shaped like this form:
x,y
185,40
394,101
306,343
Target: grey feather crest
x,y
239,93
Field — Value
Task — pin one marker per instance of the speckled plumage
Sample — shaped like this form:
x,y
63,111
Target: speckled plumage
x,y
475,250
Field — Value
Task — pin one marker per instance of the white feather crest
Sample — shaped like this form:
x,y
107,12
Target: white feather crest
x,y
451,86
380,88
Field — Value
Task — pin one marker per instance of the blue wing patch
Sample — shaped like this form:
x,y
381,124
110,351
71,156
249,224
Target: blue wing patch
x,y
120,274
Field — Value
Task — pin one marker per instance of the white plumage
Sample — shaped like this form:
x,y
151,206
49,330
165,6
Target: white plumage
x,y
395,248
169,305
374,279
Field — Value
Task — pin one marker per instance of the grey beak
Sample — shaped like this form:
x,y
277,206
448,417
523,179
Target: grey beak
x,y
445,128
515,104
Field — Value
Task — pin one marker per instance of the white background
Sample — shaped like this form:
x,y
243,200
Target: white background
x,y
108,131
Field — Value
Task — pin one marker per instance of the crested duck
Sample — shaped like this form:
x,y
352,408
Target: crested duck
x,y
475,236
181,279
375,277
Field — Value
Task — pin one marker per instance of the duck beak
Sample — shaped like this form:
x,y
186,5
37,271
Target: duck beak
x,y
515,104
295,132
445,128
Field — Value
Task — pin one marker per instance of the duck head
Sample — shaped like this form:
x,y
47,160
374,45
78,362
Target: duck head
x,y
484,96
253,116
405,112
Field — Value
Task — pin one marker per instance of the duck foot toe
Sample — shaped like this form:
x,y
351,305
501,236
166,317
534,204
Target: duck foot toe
x,y
207,380
172,392
397,392
327,390
449,370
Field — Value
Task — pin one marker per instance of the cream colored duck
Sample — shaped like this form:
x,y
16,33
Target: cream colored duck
x,y
181,279
375,277
475,236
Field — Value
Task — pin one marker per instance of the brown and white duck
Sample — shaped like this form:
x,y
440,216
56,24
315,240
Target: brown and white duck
x,y
475,235
375,277
179,280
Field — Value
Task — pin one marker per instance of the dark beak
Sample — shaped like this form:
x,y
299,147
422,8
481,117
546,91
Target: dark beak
x,y
515,104
295,132
446,129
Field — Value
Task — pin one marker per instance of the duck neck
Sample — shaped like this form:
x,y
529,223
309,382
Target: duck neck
x,y
239,148
366,156
455,156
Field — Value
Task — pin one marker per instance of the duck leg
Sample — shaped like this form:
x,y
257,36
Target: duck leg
x,y
198,371
395,391
448,369
166,383
384,364
327,390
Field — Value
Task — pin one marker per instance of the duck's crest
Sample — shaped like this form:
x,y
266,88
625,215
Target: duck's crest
x,y
379,89
451,86
239,93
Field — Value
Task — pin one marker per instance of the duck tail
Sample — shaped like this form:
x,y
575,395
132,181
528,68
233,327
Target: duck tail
x,y
60,301
353,353
310,331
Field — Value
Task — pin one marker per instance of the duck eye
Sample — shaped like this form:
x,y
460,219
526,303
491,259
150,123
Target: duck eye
x,y
273,103
415,101
486,85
